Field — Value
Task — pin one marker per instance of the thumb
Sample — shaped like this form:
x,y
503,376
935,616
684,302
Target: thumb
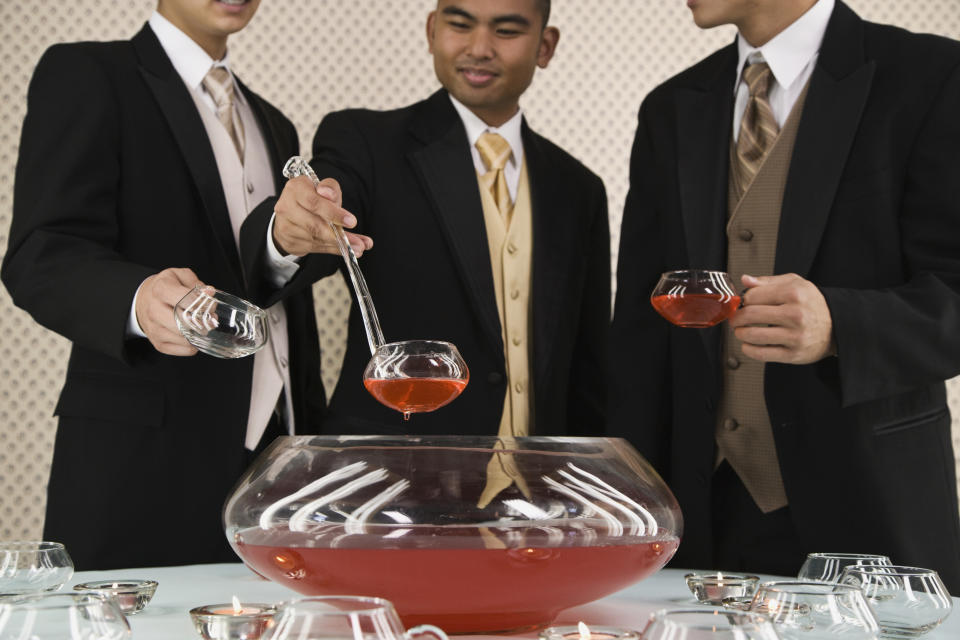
x,y
752,281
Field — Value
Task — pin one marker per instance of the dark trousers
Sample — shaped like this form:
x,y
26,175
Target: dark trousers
x,y
747,540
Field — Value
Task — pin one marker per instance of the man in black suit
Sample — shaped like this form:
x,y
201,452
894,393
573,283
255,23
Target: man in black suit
x,y
853,325
133,177
511,265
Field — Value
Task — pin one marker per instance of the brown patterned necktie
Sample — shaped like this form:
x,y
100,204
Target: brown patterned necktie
x,y
495,151
758,128
219,85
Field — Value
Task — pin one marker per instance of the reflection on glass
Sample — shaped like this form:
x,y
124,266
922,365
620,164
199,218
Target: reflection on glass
x,y
708,624
827,567
695,298
55,616
220,324
815,610
337,617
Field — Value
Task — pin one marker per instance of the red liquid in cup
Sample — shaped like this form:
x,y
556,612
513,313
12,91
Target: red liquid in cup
x,y
448,577
415,395
697,310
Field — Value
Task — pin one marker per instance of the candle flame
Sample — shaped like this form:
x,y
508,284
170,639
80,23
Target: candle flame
x,y
236,605
584,631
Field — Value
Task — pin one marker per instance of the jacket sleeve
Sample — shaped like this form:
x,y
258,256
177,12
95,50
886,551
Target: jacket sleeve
x,y
896,339
62,264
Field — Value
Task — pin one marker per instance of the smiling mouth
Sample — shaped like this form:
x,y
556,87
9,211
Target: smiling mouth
x,y
235,3
476,76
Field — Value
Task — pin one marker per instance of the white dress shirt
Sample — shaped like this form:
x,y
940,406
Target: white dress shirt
x,y
510,130
791,54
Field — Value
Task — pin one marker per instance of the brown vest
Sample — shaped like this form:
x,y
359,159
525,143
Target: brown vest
x,y
743,433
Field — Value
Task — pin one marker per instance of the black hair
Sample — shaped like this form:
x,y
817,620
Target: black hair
x,y
544,6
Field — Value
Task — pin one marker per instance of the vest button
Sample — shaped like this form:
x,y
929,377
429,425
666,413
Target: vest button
x,y
514,294
732,363
516,341
511,248
249,187
518,387
729,424
746,235
495,377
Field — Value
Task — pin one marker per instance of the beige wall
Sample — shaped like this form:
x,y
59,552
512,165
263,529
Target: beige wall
x,y
313,56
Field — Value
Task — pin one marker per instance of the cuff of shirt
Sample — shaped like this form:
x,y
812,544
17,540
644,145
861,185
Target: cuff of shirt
x,y
133,327
281,268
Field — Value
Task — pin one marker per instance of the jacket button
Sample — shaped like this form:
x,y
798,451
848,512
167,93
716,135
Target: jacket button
x,y
746,235
495,378
729,424
732,363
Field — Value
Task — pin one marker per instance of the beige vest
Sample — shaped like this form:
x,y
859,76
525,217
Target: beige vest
x,y
511,252
245,185
744,435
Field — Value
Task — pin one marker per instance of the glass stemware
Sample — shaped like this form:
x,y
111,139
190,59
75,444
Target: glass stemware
x,y
55,616
695,298
908,601
221,324
708,624
827,567
815,610
336,617
33,566
410,376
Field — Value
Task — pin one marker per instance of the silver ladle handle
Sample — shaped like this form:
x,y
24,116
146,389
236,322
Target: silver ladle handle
x,y
297,166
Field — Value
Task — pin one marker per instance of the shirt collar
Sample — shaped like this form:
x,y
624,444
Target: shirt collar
x,y
791,50
187,57
510,130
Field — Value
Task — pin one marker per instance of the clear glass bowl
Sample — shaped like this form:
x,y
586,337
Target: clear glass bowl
x,y
32,566
55,616
472,534
220,324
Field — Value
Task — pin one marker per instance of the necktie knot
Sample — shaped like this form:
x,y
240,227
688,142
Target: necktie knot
x,y
758,78
219,84
494,151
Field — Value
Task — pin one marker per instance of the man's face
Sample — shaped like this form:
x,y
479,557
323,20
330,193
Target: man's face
x,y
209,22
713,13
486,51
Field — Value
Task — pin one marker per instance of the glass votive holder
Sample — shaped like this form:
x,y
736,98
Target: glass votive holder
x,y
708,624
714,588
908,601
131,595
587,632
827,567
33,566
226,621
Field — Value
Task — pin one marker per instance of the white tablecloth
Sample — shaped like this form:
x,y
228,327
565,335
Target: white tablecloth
x,y
182,588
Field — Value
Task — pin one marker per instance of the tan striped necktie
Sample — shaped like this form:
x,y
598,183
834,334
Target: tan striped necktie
x,y
495,151
758,128
219,84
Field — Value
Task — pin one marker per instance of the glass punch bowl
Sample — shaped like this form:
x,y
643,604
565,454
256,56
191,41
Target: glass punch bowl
x,y
473,534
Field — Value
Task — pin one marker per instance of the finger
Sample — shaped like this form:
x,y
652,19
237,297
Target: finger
x,y
767,337
764,315
175,349
330,189
185,276
768,353
359,241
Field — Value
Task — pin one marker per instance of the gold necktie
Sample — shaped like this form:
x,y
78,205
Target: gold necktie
x,y
495,151
758,128
219,85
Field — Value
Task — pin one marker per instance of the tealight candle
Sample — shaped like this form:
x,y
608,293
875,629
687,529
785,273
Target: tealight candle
x,y
234,621
583,632
714,588
130,595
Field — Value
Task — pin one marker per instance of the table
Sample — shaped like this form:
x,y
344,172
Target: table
x,y
182,588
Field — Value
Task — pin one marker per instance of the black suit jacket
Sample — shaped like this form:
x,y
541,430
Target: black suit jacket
x,y
117,180
871,215
409,178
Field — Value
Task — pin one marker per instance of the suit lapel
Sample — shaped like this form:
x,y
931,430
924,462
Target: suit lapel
x,y
449,179
704,117
704,124
556,235
180,111
839,88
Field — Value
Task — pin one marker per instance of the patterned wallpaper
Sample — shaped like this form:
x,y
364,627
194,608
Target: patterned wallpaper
x,y
313,56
